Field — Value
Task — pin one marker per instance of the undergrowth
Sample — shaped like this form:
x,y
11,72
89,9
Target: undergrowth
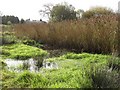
x,y
85,71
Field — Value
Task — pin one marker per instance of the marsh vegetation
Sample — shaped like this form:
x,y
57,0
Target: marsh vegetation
x,y
79,53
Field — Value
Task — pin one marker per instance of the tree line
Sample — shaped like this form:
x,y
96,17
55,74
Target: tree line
x,y
60,12
65,11
10,20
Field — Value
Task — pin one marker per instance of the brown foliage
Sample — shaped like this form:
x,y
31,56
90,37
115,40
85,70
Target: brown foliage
x,y
97,34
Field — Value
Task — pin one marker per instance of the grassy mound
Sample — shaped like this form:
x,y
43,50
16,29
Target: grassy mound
x,y
21,51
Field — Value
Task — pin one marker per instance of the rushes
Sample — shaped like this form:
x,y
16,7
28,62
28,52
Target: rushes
x,y
95,35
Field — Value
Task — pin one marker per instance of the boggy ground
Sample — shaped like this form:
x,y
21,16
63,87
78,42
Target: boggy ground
x,y
81,70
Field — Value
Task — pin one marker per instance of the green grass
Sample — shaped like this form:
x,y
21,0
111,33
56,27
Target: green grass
x,y
21,51
72,72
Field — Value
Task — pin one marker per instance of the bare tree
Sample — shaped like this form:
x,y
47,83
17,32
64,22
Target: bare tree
x,y
47,10
0,17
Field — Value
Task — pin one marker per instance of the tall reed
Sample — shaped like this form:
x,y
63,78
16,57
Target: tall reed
x,y
96,35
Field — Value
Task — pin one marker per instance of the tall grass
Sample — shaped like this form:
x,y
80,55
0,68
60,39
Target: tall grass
x,y
97,34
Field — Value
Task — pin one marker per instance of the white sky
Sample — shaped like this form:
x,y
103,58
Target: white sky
x,y
30,8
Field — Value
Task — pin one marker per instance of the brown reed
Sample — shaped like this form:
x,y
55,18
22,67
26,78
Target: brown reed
x,y
96,35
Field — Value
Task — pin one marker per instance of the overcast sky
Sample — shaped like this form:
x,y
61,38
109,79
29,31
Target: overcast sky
x,y
30,8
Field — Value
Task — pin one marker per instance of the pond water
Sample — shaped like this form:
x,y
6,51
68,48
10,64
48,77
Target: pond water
x,y
30,64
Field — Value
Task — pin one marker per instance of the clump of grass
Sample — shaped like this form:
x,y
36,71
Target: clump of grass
x,y
76,56
24,79
28,79
2,64
6,77
114,63
31,43
103,77
68,78
22,52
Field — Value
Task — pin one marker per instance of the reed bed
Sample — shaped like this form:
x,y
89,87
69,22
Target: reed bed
x,y
96,35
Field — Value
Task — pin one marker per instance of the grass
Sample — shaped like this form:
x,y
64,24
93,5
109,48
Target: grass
x,y
21,51
85,71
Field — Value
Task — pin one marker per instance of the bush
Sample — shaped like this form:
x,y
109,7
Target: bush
x,y
106,78
7,38
32,43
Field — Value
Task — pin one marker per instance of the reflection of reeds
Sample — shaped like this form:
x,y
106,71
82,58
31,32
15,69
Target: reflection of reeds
x,y
92,35
26,65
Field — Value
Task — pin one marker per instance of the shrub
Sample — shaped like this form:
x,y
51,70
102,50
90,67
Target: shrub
x,y
32,43
7,38
106,78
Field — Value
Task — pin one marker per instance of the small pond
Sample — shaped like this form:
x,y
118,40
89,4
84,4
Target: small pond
x,y
30,64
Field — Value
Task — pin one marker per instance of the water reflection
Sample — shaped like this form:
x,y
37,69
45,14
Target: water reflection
x,y
50,65
30,64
